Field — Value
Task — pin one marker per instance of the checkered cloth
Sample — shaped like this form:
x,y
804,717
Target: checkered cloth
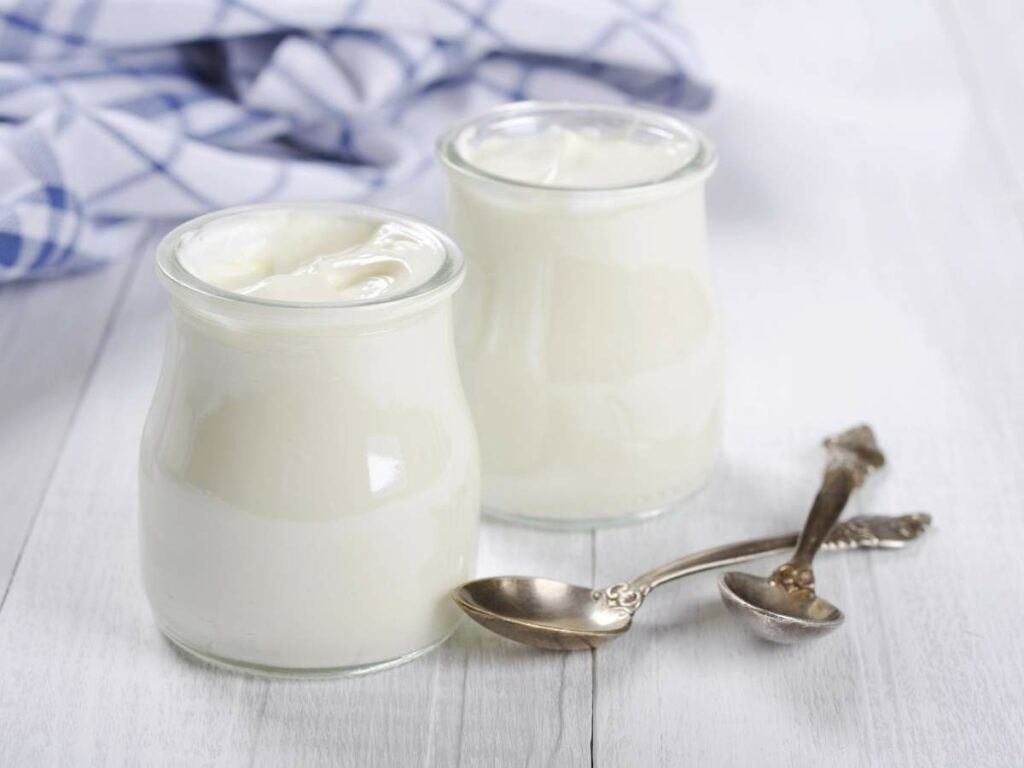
x,y
117,112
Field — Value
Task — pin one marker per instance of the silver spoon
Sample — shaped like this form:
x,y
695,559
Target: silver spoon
x,y
560,616
784,607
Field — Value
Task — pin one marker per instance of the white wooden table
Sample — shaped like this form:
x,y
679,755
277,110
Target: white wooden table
x,y
868,239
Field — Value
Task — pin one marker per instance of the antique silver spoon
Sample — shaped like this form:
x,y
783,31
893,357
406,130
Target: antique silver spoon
x,y
784,607
560,616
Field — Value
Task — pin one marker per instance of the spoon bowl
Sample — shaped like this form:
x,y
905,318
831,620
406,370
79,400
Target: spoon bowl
x,y
776,614
543,612
785,608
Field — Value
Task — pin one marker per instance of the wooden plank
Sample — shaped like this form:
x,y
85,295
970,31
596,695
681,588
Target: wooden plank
x,y
869,260
50,335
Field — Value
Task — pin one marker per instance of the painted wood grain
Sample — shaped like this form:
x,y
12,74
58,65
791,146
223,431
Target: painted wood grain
x,y
42,377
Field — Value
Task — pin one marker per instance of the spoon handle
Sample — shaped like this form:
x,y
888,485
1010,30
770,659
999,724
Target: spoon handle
x,y
875,532
852,455
835,491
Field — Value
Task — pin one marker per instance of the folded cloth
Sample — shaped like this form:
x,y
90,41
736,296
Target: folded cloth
x,y
114,112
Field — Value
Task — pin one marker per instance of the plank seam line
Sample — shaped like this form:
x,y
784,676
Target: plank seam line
x,y
116,308
593,702
593,651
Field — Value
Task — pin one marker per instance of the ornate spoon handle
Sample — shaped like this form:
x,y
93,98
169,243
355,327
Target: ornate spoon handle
x,y
852,456
877,532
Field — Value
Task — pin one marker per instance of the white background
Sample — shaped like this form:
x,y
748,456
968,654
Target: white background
x,y
867,226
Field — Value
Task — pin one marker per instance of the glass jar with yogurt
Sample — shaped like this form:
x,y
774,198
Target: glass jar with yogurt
x,y
309,470
588,332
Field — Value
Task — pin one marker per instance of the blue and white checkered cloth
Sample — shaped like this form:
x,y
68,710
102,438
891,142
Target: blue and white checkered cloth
x,y
116,112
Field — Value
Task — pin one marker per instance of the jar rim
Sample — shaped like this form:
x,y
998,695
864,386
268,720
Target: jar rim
x,y
182,282
696,168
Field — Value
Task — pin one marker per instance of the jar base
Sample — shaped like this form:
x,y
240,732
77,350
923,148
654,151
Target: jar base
x,y
574,524
315,673
590,523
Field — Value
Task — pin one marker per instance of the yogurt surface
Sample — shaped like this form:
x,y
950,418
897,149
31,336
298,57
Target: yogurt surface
x,y
299,256
580,158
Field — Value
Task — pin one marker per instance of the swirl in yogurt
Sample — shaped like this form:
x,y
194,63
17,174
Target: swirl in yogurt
x,y
301,257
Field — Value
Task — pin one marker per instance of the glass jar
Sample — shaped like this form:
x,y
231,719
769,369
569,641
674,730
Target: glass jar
x,y
589,334
309,472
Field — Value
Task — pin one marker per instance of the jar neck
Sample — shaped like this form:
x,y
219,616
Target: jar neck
x,y
246,328
241,315
527,199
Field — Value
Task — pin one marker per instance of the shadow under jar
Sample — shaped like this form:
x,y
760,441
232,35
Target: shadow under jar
x,y
309,470
588,332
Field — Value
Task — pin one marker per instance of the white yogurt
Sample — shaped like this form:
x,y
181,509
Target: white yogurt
x,y
576,158
588,332
309,475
